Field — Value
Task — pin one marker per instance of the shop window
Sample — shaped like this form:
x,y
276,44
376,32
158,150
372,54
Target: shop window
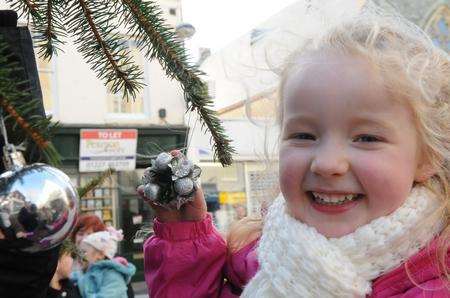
x,y
438,26
101,201
46,78
116,103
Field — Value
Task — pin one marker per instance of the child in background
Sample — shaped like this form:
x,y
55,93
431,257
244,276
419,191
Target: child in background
x,y
60,285
86,225
364,179
104,276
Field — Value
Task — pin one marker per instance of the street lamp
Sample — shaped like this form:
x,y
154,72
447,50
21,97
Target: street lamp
x,y
185,31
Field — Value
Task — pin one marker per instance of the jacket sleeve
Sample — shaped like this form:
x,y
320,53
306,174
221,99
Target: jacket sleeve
x,y
26,274
184,259
113,285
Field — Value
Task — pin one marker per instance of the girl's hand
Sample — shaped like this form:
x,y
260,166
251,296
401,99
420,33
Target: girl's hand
x,y
191,211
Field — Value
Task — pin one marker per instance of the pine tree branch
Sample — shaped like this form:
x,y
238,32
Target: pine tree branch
x,y
36,136
20,116
94,183
32,130
49,29
25,7
102,48
145,23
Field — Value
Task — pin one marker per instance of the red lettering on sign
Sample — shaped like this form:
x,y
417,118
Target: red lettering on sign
x,y
108,134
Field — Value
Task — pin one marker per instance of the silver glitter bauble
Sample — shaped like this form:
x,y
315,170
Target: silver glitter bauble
x,y
171,181
184,168
37,203
162,161
149,176
151,191
183,186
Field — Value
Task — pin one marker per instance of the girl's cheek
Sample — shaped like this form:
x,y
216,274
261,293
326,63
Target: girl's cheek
x,y
293,168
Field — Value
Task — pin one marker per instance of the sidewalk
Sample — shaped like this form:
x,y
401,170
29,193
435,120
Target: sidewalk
x,y
140,289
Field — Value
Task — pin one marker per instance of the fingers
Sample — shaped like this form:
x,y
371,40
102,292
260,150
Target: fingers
x,y
199,194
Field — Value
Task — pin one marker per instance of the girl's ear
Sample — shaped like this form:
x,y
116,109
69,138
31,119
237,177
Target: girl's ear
x,y
424,172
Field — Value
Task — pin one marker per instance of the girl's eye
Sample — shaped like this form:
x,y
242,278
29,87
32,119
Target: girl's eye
x,y
367,139
303,136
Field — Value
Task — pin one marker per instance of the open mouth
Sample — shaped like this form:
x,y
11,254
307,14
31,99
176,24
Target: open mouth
x,y
333,199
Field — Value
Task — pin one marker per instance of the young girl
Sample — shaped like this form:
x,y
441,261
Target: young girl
x,y
364,179
104,276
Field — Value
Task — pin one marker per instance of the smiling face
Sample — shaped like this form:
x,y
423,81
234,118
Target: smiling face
x,y
349,153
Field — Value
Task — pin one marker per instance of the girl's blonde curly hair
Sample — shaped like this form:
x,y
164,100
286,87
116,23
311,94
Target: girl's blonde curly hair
x,y
414,71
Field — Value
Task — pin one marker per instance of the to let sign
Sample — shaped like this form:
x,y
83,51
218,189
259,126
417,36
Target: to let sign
x,y
101,149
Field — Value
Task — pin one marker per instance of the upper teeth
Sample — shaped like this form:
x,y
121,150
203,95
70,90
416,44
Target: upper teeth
x,y
332,198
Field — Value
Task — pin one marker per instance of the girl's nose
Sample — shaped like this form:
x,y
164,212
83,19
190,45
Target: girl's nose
x,y
330,162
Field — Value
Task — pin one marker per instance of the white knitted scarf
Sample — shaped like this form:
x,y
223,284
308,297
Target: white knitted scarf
x,y
296,261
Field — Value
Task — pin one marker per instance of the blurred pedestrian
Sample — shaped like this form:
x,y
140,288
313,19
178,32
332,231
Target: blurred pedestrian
x,y
104,276
60,285
86,225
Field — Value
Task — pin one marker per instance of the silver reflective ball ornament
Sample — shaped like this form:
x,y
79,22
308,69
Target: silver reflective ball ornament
x,y
37,203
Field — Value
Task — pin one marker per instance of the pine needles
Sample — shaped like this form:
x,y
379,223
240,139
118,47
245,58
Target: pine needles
x,y
83,190
144,21
94,25
49,27
20,114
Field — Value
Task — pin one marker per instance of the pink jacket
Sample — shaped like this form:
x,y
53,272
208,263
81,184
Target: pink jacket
x,y
189,259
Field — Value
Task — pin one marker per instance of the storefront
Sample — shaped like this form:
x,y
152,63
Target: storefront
x,y
115,201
